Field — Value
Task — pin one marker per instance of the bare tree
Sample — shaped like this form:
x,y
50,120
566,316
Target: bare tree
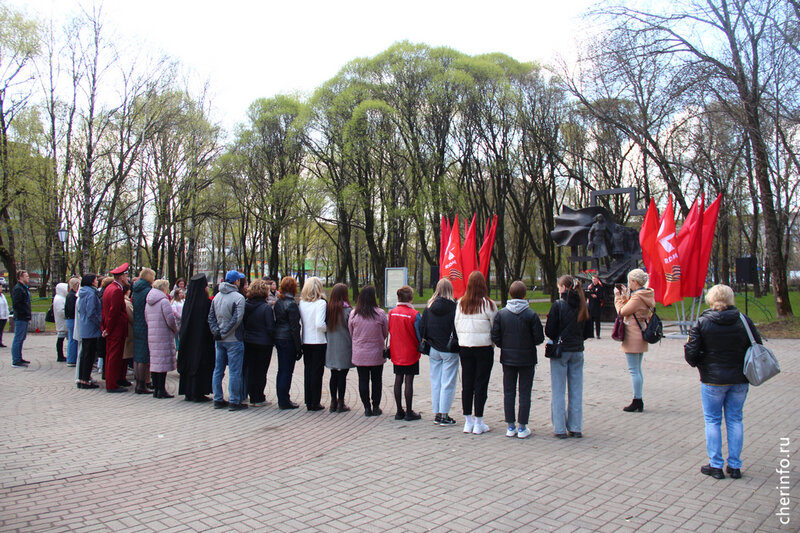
x,y
728,45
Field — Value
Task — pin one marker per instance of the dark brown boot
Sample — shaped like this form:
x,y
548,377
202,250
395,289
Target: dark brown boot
x,y
636,405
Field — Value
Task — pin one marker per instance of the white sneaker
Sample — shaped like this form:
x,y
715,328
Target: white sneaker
x,y
468,426
511,431
480,427
524,433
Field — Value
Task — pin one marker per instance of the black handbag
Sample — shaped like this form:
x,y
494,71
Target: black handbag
x,y
552,350
50,316
387,352
424,347
452,342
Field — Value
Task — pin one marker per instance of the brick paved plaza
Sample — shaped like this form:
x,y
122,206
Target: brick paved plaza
x,y
84,460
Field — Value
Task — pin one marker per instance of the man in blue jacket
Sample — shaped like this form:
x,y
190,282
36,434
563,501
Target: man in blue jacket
x,y
21,301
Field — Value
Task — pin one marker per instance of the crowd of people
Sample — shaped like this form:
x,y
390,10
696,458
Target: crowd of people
x,y
141,324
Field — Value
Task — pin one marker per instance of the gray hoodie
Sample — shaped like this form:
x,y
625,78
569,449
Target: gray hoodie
x,y
227,313
517,306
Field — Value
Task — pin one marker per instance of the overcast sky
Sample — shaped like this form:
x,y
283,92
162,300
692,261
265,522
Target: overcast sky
x,y
249,49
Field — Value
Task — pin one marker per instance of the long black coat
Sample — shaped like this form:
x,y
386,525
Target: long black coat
x,y
196,355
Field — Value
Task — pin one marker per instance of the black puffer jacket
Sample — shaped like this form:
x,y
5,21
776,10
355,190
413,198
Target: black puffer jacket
x,y
562,320
717,344
438,322
259,322
287,321
69,305
517,330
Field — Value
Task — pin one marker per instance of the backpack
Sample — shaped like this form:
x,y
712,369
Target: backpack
x,y
653,331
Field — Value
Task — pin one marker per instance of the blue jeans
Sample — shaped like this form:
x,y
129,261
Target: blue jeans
x,y
444,377
635,368
730,400
72,344
567,373
20,334
286,359
230,354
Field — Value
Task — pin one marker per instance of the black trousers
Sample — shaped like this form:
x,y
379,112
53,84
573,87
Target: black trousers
x,y
596,322
60,347
254,371
338,384
365,375
88,353
314,368
511,376
2,327
476,368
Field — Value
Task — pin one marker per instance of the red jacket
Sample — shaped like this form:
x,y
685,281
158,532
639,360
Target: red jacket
x,y
115,315
403,341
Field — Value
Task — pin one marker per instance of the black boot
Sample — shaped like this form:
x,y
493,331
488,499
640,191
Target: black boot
x,y
155,377
636,405
164,393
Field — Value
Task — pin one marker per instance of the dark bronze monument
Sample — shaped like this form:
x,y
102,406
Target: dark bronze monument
x,y
599,243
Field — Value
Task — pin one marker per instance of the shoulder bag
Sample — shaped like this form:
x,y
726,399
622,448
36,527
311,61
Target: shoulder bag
x,y
653,331
618,332
760,364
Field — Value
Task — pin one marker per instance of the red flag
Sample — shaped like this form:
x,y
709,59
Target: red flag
x,y
647,240
468,257
444,226
485,253
451,267
689,248
667,253
709,227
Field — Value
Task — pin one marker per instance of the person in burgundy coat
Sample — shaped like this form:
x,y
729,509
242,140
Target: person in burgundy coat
x,y
115,328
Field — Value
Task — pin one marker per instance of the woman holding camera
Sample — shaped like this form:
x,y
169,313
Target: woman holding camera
x,y
635,305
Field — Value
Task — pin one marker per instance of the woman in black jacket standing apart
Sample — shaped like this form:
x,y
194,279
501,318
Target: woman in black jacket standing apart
x,y
259,326
716,346
568,320
287,340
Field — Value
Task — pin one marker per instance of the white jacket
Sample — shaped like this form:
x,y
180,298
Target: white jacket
x,y
312,316
59,301
475,330
3,307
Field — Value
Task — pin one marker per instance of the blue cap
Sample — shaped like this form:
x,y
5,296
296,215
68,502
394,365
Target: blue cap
x,y
233,276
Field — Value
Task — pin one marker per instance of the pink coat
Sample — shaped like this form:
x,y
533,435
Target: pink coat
x,y
369,338
161,329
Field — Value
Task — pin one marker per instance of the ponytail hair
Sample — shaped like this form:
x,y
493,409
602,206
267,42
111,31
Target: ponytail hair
x,y
573,284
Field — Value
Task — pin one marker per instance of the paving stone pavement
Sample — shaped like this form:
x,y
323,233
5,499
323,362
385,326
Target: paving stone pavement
x,y
83,460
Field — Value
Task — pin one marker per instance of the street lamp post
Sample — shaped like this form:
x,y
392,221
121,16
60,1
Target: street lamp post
x,y
62,238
